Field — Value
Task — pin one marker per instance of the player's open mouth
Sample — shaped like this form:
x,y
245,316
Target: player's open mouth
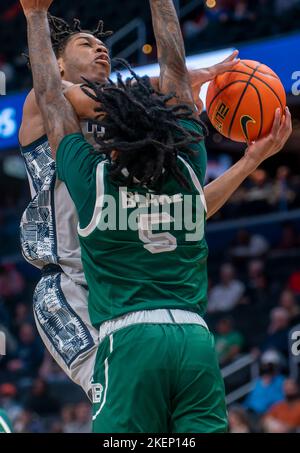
x,y
102,60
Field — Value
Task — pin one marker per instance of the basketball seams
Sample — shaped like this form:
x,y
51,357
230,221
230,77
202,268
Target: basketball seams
x,y
273,91
256,79
240,100
262,81
255,75
261,110
221,91
230,84
274,75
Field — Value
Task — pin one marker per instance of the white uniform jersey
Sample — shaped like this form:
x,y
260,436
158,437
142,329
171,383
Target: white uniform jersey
x,y
49,236
49,224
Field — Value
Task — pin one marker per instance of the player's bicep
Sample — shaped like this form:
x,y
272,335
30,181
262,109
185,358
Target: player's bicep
x,y
84,106
60,119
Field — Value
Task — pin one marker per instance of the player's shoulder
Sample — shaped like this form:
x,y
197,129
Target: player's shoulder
x,y
75,152
192,124
73,141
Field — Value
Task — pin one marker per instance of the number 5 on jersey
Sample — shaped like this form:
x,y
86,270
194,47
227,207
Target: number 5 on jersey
x,y
156,242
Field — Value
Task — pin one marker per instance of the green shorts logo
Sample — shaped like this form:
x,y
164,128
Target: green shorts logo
x,y
2,344
97,390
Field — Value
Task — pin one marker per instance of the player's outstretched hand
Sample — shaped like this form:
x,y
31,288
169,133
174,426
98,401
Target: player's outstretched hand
x,y
225,65
35,5
275,141
203,75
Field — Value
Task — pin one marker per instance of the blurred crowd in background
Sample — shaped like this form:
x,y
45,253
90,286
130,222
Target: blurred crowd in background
x,y
237,21
254,280
211,25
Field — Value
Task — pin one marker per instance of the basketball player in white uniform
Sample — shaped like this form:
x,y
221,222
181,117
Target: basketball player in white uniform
x,y
49,237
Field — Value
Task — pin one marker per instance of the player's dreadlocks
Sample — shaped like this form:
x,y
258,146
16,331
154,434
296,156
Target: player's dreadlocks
x,y
143,129
61,32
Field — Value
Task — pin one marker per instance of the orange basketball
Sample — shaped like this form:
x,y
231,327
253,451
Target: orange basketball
x,y
241,103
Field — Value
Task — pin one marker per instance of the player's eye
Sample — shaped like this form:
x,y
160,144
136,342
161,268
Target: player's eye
x,y
86,44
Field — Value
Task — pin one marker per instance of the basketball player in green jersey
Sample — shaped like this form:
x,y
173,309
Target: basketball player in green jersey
x,y
50,241
156,369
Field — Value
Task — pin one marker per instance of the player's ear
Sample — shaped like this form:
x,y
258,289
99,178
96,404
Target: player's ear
x,y
61,66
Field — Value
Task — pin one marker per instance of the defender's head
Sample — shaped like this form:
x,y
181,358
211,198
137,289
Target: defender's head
x,y
80,53
143,134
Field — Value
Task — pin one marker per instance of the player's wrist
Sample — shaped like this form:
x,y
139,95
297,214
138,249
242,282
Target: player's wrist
x,y
251,161
36,13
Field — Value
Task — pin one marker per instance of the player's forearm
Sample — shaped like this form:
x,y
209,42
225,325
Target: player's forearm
x,y
218,192
45,71
195,75
84,106
169,40
58,115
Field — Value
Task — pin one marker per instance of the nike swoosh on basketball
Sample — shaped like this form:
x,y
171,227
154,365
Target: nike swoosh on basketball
x,y
245,119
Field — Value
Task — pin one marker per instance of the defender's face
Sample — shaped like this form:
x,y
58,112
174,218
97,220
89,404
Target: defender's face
x,y
85,56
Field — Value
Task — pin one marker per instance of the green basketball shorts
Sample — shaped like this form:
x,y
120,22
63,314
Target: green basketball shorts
x,y
158,378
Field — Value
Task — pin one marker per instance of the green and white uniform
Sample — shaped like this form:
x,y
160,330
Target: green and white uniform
x,y
148,286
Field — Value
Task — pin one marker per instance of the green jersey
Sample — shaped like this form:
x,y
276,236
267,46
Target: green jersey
x,y
140,250
5,425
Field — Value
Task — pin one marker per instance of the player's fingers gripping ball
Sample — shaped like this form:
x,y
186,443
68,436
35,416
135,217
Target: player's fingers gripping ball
x,y
241,102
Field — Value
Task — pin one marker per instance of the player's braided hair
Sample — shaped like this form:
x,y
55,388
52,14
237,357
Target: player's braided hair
x,y
61,32
144,129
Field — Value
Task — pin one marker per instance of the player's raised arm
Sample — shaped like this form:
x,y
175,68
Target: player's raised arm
x,y
218,192
58,115
198,77
174,76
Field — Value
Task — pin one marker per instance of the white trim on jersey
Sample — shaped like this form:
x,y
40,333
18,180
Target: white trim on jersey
x,y
4,425
100,189
106,367
100,192
196,182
